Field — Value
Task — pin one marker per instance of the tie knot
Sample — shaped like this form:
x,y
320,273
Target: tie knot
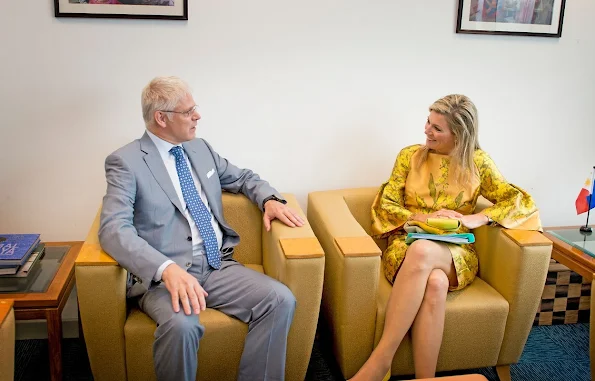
x,y
177,151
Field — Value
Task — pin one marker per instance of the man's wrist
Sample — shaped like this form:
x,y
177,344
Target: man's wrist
x,y
273,197
164,272
159,274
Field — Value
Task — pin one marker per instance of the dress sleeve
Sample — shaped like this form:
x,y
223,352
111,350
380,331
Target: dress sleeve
x,y
388,210
513,207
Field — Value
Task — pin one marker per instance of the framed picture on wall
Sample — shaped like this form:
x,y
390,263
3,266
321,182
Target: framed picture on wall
x,y
130,9
511,17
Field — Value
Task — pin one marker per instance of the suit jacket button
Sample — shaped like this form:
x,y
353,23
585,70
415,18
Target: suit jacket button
x,y
189,239
188,264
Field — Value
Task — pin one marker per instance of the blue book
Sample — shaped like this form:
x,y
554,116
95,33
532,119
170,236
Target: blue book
x,y
15,249
459,239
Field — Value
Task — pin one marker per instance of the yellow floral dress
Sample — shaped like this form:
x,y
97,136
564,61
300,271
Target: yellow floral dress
x,y
431,186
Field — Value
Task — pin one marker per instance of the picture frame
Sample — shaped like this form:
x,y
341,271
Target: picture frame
x,y
128,9
541,18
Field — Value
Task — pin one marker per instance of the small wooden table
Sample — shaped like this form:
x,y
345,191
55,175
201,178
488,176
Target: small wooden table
x,y
43,294
575,257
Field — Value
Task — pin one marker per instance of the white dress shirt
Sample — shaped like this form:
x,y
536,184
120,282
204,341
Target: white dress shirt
x,y
170,164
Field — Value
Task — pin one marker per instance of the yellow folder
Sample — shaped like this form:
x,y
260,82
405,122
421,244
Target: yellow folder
x,y
434,225
444,223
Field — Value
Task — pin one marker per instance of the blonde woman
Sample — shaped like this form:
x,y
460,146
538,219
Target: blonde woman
x,y
441,179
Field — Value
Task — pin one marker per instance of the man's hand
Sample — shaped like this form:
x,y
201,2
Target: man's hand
x,y
274,209
473,221
184,288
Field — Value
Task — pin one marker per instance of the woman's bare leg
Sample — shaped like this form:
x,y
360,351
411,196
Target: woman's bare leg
x,y
428,326
404,303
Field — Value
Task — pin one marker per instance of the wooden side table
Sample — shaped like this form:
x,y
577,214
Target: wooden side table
x,y
43,294
577,252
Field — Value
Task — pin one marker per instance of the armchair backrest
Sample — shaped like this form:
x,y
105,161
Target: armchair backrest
x,y
359,201
246,219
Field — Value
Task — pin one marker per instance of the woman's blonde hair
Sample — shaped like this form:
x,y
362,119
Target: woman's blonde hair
x,y
162,93
461,116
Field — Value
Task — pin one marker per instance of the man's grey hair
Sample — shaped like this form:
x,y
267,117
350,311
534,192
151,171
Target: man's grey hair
x,y
162,94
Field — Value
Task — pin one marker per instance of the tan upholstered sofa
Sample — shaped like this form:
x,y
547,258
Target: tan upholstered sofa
x,y
487,323
7,333
119,337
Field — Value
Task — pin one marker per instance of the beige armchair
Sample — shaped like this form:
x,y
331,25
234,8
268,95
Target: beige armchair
x,y
119,337
7,336
487,323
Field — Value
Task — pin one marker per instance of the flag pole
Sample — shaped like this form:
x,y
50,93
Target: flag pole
x,y
587,229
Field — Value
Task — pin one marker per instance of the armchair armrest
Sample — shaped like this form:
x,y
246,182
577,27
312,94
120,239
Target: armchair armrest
x,y
101,290
515,263
294,257
351,277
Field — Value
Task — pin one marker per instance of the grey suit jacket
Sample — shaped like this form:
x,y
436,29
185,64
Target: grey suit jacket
x,y
142,222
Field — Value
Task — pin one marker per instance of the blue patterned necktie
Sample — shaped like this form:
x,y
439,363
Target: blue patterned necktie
x,y
198,210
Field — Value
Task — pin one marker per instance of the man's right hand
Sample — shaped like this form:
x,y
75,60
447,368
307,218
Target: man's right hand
x,y
184,288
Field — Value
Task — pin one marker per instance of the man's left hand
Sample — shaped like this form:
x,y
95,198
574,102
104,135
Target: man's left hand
x,y
274,209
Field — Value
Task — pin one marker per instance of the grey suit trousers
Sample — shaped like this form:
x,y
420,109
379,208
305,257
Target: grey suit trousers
x,y
266,305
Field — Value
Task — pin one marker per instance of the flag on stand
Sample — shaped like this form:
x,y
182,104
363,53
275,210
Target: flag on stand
x,y
586,199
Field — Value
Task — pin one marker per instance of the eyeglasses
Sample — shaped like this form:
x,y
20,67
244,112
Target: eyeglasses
x,y
184,113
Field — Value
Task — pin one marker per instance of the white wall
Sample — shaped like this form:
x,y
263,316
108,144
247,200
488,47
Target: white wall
x,y
313,95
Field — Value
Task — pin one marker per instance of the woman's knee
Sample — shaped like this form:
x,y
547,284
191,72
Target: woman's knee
x,y
437,287
421,255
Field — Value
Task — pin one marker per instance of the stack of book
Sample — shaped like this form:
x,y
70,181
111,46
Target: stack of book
x,y
19,253
459,239
437,229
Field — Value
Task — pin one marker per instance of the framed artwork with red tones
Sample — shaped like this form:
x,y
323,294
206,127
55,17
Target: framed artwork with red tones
x,y
130,9
511,17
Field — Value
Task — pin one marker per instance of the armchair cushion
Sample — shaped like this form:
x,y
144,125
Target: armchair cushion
x,y
474,323
222,338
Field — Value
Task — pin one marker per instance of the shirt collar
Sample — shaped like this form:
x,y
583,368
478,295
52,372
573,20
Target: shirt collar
x,y
162,146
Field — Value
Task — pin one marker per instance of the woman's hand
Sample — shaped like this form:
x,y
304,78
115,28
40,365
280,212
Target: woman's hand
x,y
446,213
442,213
473,221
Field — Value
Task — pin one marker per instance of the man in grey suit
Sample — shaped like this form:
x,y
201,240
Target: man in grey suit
x,y
162,220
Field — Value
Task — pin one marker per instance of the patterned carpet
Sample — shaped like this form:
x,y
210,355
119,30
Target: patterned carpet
x,y
559,352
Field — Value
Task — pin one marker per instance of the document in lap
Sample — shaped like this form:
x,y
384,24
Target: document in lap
x,y
459,239
437,229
